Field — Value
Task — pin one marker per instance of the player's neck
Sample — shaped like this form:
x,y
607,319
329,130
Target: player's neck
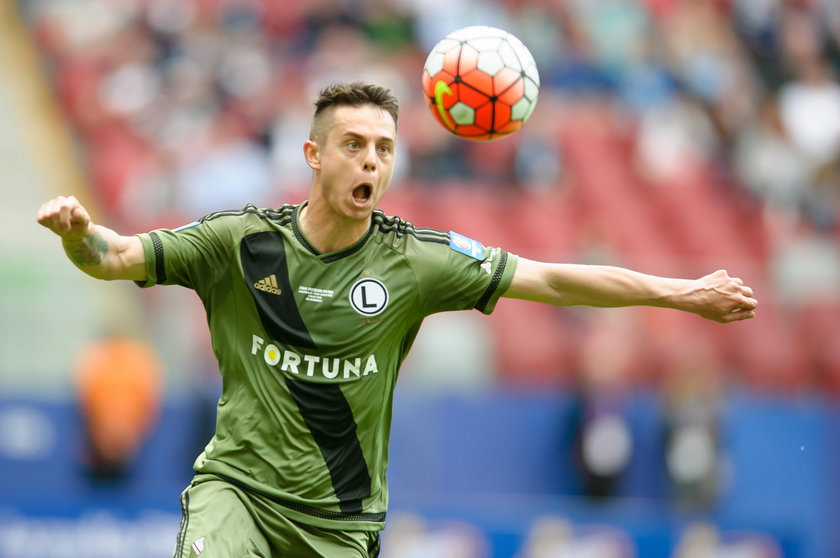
x,y
326,233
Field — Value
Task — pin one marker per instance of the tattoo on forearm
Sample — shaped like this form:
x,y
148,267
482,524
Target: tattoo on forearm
x,y
88,250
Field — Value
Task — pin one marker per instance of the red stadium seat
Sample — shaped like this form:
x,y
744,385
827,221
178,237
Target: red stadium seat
x,y
534,343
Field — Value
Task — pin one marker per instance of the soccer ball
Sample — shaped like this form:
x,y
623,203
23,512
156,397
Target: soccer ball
x,y
481,83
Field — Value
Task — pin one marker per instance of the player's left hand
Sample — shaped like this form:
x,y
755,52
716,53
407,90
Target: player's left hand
x,y
723,299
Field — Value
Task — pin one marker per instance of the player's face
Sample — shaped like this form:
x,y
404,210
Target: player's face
x,y
356,160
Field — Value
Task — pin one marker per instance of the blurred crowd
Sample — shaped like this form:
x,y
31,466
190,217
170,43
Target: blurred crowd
x,y
182,107
200,104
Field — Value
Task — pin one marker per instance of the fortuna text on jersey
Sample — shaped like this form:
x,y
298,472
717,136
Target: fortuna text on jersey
x,y
331,368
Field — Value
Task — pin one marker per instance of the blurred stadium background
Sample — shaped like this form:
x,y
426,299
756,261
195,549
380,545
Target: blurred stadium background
x,y
672,136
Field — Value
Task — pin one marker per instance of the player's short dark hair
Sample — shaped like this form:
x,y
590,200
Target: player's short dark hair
x,y
354,94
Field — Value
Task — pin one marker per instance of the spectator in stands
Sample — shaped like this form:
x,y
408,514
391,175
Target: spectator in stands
x,y
691,394
771,167
119,390
603,439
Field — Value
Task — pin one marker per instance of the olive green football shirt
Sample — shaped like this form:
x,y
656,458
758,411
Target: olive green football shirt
x,y
309,346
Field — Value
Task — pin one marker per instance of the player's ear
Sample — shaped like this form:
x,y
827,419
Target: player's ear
x,y
312,152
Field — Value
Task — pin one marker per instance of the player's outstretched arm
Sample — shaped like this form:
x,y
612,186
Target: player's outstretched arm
x,y
716,296
96,250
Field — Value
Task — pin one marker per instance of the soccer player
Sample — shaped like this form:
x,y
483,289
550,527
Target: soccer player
x,y
312,307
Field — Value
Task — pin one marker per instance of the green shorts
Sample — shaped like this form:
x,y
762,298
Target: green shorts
x,y
221,520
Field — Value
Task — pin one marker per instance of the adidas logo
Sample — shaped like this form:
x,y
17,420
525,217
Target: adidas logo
x,y
269,285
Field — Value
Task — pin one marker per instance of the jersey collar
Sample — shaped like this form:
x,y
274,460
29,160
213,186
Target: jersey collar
x,y
329,257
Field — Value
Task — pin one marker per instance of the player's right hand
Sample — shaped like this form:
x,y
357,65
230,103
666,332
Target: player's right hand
x,y
65,216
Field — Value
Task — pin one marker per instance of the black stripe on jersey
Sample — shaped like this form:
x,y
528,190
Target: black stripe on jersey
x,y
160,269
304,508
401,228
282,213
185,522
376,547
432,235
263,254
494,283
330,420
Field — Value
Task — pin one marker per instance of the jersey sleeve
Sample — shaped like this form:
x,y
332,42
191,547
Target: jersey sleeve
x,y
471,276
192,256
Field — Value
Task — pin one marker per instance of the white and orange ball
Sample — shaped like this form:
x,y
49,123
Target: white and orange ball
x,y
481,83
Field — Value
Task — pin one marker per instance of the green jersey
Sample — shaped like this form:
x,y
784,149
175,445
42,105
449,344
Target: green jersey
x,y
309,346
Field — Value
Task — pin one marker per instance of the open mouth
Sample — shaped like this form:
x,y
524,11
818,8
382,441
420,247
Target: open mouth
x,y
362,193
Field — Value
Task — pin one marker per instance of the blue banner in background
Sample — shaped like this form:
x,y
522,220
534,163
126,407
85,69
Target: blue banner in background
x,y
100,533
484,476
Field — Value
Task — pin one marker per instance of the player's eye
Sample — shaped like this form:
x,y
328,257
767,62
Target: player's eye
x,y
385,148
353,145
